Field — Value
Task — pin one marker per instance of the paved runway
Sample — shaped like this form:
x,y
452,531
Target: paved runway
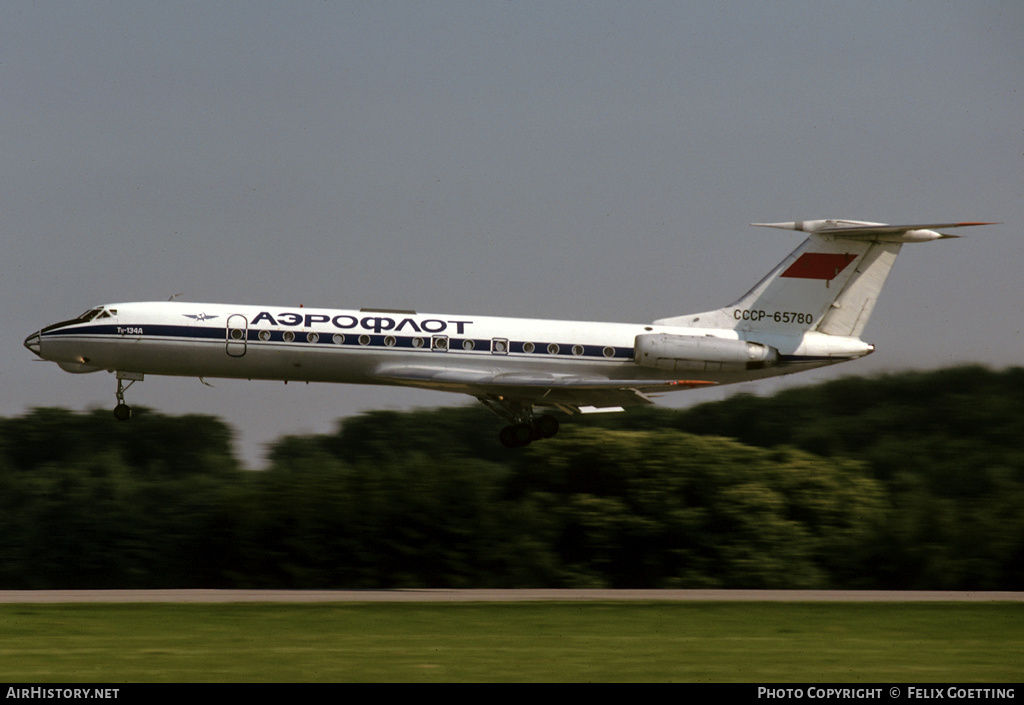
x,y
228,596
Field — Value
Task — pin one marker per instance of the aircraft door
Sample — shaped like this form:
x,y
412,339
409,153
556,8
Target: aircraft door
x,y
236,334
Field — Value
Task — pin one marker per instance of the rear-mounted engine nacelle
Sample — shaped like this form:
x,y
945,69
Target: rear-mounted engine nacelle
x,y
664,351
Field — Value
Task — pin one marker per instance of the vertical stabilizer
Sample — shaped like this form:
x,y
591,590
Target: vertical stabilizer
x,y
829,284
849,312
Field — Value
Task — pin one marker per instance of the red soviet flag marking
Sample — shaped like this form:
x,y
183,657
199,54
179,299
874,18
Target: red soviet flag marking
x,y
818,265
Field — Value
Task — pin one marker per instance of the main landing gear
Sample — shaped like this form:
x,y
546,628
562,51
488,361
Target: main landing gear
x,y
523,428
123,412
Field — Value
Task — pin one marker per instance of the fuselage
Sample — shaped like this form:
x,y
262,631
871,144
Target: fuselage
x,y
351,346
808,311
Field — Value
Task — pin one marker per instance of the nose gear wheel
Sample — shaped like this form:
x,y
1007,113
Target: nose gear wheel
x,y
123,412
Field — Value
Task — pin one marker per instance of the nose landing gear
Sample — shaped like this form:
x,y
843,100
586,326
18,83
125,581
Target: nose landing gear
x,y
123,412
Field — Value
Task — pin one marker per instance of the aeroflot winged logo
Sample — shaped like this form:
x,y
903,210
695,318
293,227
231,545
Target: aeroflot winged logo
x,y
818,265
199,316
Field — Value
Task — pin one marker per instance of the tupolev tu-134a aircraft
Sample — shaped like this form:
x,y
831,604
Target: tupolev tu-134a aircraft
x,y
807,312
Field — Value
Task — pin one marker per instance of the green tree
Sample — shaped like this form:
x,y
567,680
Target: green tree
x,y
662,508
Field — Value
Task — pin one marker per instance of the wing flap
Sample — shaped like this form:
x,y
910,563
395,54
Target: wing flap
x,y
537,388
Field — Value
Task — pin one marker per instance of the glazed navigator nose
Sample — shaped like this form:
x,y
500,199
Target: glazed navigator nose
x,y
32,342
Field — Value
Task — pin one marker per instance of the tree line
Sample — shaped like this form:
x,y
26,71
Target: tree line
x,y
905,481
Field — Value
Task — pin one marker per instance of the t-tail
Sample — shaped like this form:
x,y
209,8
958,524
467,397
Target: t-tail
x,y
829,284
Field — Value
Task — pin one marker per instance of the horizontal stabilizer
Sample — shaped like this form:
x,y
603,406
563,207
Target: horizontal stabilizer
x,y
858,230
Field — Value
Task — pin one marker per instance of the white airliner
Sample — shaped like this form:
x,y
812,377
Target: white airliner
x,y
808,312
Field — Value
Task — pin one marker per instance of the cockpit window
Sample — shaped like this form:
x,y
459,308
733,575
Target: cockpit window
x,y
89,315
92,313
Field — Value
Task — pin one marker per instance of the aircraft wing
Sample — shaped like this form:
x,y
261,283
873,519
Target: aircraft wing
x,y
569,392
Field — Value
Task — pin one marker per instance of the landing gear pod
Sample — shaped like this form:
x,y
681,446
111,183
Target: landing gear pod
x,y
664,351
78,368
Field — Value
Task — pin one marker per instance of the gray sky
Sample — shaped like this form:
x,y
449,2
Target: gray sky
x,y
585,160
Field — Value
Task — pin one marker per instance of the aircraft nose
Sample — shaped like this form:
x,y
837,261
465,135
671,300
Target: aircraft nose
x,y
32,342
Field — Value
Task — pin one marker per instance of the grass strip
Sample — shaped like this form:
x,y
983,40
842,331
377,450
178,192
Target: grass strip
x,y
563,642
